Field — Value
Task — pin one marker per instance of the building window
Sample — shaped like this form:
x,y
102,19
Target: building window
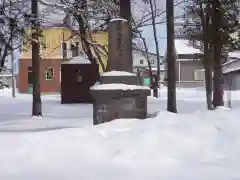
x,y
49,73
152,61
29,68
30,75
198,75
141,61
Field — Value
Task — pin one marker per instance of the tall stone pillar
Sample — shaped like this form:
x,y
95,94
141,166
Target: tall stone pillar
x,y
119,48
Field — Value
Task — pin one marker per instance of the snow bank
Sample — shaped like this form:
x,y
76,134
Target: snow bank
x,y
37,118
118,73
203,145
6,92
117,86
78,60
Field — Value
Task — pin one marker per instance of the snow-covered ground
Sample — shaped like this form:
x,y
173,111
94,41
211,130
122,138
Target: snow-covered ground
x,y
15,114
194,144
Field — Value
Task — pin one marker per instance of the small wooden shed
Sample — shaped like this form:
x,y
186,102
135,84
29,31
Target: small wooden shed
x,y
77,76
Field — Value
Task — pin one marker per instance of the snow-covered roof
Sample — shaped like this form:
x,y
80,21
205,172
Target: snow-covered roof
x,y
162,68
182,47
118,73
233,63
77,60
231,69
234,54
231,66
118,86
143,51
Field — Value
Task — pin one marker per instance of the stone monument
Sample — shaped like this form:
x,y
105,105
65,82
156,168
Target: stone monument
x,y
119,50
120,93
120,55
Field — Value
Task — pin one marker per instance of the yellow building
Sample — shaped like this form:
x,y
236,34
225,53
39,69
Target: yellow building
x,y
51,52
51,40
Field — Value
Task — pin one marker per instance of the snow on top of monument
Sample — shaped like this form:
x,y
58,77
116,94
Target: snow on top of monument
x,y
77,60
118,73
118,19
117,86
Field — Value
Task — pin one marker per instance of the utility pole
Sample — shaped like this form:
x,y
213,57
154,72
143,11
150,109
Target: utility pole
x,y
12,52
156,82
171,58
37,103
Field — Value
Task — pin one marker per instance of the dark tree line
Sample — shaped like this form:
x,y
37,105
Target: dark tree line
x,y
213,27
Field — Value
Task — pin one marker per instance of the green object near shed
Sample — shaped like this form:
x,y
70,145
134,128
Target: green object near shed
x,y
30,88
146,81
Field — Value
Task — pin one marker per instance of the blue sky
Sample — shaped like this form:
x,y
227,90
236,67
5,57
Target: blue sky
x,y
162,35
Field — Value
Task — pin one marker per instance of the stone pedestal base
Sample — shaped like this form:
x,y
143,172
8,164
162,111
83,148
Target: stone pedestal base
x,y
113,104
130,80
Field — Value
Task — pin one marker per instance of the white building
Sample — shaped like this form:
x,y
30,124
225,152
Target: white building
x,y
140,63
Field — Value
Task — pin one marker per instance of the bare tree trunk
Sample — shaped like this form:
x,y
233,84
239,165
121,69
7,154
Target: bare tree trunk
x,y
171,58
96,51
125,10
4,53
207,62
12,54
147,57
229,98
208,84
37,103
156,82
81,19
149,65
217,47
86,35
218,90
